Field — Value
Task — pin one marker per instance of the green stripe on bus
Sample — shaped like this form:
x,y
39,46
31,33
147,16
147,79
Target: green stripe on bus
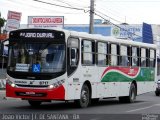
x,y
145,74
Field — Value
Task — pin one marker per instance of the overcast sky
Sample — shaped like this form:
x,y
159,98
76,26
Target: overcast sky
x,y
117,11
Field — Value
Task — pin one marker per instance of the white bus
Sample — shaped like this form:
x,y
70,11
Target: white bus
x,y
46,65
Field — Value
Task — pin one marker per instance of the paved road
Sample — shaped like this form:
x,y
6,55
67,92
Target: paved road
x,y
146,104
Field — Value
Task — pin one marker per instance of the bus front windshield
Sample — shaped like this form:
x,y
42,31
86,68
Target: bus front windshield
x,y
36,57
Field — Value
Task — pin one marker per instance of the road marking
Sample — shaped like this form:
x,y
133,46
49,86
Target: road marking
x,y
143,108
140,103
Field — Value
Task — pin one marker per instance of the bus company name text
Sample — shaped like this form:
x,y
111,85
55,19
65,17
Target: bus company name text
x,y
36,35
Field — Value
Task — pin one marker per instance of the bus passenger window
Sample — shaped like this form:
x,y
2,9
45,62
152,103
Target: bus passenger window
x,y
152,58
102,53
124,58
113,54
134,56
88,57
143,57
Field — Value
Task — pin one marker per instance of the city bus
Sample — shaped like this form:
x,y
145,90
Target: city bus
x,y
45,65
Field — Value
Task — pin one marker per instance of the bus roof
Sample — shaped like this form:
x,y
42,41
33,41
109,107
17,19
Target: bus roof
x,y
111,39
101,38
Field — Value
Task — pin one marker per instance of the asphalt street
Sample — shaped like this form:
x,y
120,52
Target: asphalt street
x,y
146,106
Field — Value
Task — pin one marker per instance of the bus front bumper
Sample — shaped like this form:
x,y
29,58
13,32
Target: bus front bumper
x,y
36,94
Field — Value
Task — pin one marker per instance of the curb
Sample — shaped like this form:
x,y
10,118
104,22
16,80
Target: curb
x,y
3,96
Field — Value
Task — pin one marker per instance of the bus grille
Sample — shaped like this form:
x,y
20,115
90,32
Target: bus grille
x,y
31,95
40,86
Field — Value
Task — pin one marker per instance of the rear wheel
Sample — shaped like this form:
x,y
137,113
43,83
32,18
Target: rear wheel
x,y
84,97
132,95
34,103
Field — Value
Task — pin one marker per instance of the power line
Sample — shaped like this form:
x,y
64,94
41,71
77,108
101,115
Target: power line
x,y
78,3
62,1
40,8
131,1
108,16
116,25
87,11
59,5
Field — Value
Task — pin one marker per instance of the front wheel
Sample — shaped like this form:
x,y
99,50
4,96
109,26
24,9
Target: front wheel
x,y
34,103
84,100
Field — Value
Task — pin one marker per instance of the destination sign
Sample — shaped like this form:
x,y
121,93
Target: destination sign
x,y
36,35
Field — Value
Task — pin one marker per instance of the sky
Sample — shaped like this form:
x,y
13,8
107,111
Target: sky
x,y
116,11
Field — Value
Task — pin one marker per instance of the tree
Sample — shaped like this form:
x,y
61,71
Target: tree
x,y
2,21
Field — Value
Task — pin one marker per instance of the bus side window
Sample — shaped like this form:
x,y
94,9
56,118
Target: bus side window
x,y
113,54
134,56
102,53
152,58
124,58
88,52
72,55
143,57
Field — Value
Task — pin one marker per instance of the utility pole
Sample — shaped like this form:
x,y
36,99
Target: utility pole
x,y
91,29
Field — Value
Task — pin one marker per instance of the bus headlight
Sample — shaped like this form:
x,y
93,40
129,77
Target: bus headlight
x,y
56,84
10,82
13,85
50,86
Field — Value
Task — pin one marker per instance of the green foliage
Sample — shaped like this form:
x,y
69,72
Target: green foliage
x,y
2,21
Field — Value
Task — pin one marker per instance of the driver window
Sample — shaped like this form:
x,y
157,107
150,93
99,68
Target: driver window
x,y
72,55
73,51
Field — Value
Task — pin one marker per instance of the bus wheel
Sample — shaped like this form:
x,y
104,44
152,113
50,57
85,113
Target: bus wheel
x,y
34,103
84,100
132,95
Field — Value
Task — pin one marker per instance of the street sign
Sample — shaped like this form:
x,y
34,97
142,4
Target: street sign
x,y
48,22
13,20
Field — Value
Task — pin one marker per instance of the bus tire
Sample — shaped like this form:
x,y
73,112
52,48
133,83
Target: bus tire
x,y
84,100
132,95
34,103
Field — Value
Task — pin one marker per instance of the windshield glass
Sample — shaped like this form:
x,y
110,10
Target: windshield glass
x,y
36,57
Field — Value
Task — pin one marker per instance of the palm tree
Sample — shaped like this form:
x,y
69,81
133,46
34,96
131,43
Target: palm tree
x,y
2,21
